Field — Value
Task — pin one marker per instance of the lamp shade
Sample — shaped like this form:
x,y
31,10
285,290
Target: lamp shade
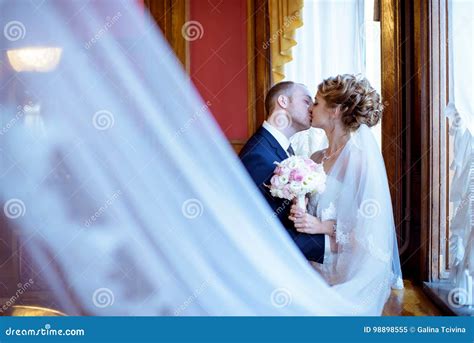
x,y
37,59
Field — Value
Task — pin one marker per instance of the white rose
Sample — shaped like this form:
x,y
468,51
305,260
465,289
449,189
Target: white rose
x,y
283,179
308,180
295,187
292,164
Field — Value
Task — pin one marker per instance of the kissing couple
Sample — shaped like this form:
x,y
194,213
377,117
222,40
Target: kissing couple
x,y
347,232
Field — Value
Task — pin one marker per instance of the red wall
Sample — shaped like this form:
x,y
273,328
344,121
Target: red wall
x,y
218,61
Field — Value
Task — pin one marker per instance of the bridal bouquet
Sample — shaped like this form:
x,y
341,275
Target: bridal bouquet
x,y
295,177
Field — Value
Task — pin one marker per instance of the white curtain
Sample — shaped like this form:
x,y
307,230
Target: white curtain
x,y
460,111
337,37
131,200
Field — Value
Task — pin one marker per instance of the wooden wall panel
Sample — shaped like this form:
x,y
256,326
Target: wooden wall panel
x,y
170,15
263,76
414,131
393,130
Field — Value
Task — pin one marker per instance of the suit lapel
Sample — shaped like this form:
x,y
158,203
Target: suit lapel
x,y
273,143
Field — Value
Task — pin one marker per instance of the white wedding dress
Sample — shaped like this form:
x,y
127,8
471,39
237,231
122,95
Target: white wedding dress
x,y
322,206
357,197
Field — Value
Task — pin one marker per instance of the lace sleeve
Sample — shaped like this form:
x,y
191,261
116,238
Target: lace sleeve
x,y
329,213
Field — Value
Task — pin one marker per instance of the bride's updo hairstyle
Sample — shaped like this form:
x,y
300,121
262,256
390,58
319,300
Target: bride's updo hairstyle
x,y
360,103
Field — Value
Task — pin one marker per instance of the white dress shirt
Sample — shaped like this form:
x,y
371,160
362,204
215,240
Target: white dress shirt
x,y
280,137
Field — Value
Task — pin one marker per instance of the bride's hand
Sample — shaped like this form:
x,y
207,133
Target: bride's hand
x,y
305,222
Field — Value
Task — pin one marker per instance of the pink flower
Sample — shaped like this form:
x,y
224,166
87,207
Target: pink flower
x,y
287,193
296,175
275,181
285,170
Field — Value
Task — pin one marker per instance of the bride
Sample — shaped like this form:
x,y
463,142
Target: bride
x,y
355,211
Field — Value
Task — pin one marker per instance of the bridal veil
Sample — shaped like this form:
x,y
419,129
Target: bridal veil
x,y
365,263
125,191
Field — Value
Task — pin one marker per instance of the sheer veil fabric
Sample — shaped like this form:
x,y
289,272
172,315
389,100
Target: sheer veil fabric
x,y
130,199
366,262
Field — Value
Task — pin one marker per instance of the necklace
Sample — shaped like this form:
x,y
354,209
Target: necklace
x,y
326,157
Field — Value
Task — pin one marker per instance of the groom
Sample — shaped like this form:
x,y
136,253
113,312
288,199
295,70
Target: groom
x,y
288,107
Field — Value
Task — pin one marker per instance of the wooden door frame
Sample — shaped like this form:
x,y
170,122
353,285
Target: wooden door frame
x,y
170,16
414,130
393,133
258,66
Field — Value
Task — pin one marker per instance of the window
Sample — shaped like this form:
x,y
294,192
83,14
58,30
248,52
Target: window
x,y
336,37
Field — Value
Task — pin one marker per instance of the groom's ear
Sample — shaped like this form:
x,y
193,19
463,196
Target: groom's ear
x,y
283,101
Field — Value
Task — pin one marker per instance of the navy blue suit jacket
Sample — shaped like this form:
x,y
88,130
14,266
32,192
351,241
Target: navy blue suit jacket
x,y
258,156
